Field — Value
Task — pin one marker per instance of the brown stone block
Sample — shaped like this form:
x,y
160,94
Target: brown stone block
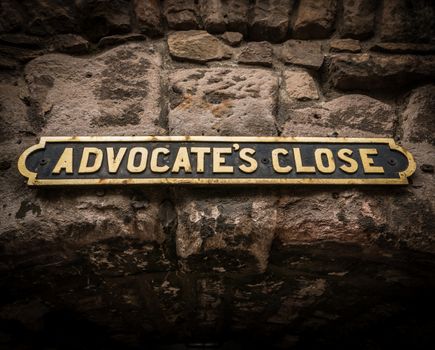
x,y
115,92
358,19
220,101
197,46
270,20
374,71
315,19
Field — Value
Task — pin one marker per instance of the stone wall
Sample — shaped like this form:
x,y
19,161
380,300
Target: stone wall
x,y
277,266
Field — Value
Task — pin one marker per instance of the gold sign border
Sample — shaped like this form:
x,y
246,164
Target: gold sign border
x,y
33,181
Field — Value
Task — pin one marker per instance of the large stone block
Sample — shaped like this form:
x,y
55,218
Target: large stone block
x,y
224,233
257,53
411,211
358,19
303,53
47,17
181,14
220,101
11,18
104,17
375,71
300,85
115,92
345,116
407,21
418,118
345,216
270,20
148,16
212,13
315,19
237,16
13,111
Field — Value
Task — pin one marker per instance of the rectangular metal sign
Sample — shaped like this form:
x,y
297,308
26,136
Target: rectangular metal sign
x,y
95,160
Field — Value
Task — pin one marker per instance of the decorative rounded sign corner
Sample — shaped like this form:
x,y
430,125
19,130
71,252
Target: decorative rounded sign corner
x,y
215,160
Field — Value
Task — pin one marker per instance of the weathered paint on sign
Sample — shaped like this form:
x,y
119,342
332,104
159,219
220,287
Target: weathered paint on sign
x,y
215,160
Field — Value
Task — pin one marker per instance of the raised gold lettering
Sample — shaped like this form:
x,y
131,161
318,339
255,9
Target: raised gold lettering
x,y
154,166
65,162
352,165
325,169
368,162
182,161
300,168
200,155
246,155
84,167
275,161
219,161
143,152
113,162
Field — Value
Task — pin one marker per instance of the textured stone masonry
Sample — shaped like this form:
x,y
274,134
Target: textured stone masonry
x,y
293,265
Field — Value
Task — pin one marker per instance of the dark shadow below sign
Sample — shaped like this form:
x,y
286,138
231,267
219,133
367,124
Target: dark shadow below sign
x,y
122,160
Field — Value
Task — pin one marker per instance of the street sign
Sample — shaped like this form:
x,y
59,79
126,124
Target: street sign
x,y
135,160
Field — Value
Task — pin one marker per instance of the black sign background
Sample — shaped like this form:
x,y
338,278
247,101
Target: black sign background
x,y
394,161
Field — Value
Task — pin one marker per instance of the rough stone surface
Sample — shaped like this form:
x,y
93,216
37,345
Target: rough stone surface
x,y
232,267
221,101
270,20
23,40
69,43
232,38
224,228
115,92
358,19
212,14
148,16
345,45
11,16
47,17
113,40
257,53
407,21
302,53
319,216
418,116
237,16
371,71
404,48
300,85
181,14
19,54
13,113
346,116
104,17
197,46
315,19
